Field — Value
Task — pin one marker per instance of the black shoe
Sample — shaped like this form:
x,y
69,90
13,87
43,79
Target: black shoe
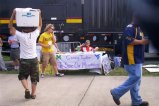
x,y
117,101
59,75
33,96
27,94
143,103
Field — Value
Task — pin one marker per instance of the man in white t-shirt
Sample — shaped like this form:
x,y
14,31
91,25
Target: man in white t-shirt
x,y
28,56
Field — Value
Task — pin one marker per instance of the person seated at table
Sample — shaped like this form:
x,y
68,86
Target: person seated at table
x,y
87,48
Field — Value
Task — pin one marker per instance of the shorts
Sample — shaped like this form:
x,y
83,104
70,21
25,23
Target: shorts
x,y
49,58
29,67
14,54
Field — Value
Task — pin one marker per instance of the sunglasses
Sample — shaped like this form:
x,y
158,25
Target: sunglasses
x,y
52,28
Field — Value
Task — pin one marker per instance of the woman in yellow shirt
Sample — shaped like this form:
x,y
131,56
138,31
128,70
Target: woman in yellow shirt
x,y
47,41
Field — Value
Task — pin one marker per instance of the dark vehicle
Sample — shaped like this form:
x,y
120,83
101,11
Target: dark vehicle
x,y
100,21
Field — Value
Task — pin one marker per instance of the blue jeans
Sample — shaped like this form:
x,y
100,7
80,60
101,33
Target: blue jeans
x,y
132,84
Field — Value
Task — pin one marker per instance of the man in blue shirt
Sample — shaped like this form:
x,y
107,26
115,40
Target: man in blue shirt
x,y
14,52
133,57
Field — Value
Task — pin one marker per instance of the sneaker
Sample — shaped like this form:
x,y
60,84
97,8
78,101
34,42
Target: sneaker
x,y
59,75
143,103
33,96
42,75
27,94
117,101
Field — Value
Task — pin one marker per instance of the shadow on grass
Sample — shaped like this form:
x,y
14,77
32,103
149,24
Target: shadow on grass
x,y
79,72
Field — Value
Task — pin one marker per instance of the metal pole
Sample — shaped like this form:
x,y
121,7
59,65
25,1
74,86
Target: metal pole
x,y
82,5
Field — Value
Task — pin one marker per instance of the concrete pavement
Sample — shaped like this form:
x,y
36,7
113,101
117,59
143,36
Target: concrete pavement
x,y
73,90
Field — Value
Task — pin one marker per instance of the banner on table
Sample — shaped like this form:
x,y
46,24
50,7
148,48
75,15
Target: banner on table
x,y
79,61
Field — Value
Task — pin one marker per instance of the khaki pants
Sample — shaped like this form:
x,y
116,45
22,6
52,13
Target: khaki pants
x,y
48,58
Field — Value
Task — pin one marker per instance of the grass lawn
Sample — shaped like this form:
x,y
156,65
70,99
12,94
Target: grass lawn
x,y
115,72
122,72
6,58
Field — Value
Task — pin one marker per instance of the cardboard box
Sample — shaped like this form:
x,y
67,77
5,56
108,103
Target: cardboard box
x,y
27,17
